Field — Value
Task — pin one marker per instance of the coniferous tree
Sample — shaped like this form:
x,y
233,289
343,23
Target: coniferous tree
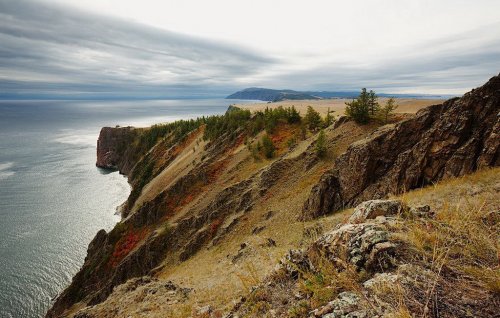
x,y
328,119
387,111
293,115
358,109
268,147
313,118
373,105
321,144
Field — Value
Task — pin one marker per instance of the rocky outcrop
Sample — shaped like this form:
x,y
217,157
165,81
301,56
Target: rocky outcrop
x,y
366,269
454,138
114,149
365,246
151,292
371,209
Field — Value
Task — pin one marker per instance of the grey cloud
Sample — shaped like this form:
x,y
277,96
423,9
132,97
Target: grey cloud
x,y
455,64
49,50
46,45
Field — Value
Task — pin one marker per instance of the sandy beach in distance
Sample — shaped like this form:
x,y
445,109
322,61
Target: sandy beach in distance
x,y
406,105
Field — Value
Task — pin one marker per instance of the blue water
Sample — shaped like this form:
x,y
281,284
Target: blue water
x,y
52,197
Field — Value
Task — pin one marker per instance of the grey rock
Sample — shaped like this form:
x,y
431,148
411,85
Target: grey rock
x,y
347,305
374,208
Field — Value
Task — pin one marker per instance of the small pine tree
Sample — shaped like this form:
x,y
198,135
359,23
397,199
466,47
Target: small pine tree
x,y
258,146
303,131
321,144
387,111
328,119
292,142
373,105
358,109
313,118
268,147
293,115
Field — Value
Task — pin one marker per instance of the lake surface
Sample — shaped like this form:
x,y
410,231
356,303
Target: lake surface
x,y
52,197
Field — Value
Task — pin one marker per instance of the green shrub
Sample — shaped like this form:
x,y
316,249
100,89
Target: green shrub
x,y
387,111
321,144
268,147
292,142
303,131
313,118
364,107
328,119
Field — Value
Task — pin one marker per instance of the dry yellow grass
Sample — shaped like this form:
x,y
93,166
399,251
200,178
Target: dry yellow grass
x,y
406,105
461,245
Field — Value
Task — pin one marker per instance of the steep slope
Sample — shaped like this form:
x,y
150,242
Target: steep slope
x,y
451,139
196,194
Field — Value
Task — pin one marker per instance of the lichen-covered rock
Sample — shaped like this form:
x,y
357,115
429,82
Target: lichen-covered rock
x,y
371,209
293,262
347,305
362,245
381,280
422,211
146,292
204,311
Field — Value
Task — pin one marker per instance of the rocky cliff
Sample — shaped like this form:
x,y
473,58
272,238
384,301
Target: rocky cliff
x,y
220,203
114,148
447,140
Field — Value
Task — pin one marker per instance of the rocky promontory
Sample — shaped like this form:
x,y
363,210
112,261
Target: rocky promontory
x,y
114,149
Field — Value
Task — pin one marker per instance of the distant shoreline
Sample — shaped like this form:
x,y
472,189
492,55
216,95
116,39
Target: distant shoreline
x,y
406,105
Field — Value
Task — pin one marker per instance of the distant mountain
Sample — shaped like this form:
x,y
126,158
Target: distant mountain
x,y
276,95
272,95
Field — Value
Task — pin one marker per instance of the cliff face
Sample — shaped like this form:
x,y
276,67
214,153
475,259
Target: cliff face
x,y
114,149
448,140
144,239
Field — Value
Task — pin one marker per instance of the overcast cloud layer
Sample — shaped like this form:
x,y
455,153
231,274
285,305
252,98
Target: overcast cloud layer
x,y
51,50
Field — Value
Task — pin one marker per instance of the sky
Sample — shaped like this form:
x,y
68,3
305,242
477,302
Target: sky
x,y
199,48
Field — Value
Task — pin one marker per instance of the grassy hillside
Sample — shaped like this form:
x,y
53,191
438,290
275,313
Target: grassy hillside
x,y
213,226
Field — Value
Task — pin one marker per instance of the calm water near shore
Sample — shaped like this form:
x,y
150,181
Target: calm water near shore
x,y
52,197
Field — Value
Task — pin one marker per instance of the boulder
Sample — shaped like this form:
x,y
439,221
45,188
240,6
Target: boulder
x,y
373,208
346,305
363,245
